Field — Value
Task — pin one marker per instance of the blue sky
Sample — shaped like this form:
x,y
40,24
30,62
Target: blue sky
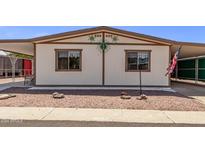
x,y
178,33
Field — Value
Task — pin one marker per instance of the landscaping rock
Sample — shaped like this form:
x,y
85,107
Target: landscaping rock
x,y
124,93
125,97
57,95
143,97
4,96
12,95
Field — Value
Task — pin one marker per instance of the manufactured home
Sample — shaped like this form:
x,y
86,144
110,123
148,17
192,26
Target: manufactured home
x,y
100,56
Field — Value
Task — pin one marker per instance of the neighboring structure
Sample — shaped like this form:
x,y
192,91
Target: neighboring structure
x,y
23,67
192,68
100,56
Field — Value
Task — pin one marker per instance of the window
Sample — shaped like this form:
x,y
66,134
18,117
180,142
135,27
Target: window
x,y
68,59
63,60
136,59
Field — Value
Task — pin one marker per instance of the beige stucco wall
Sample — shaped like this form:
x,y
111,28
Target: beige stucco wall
x,y
115,66
45,66
120,39
82,38
92,66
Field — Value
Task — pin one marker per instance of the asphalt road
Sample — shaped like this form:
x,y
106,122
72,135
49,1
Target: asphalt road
x,y
32,123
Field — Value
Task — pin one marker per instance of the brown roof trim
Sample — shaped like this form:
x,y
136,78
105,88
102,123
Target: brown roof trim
x,y
16,41
138,35
66,33
103,29
190,44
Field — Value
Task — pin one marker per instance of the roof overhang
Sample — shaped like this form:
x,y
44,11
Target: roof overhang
x,y
3,54
101,29
188,49
26,46
23,47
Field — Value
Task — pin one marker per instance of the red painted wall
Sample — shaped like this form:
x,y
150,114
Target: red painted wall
x,y
27,67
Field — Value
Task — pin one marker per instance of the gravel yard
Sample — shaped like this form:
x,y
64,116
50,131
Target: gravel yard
x,y
157,100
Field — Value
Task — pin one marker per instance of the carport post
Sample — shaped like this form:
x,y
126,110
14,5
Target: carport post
x,y
13,72
13,60
6,71
32,67
196,70
176,71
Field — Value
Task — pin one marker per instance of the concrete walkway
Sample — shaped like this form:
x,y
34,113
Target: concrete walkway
x,y
102,88
194,91
101,115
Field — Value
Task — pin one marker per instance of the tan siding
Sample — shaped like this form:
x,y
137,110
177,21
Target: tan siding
x,y
91,74
82,39
115,66
45,62
122,39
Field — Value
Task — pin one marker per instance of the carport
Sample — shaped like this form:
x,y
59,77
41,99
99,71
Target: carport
x,y
17,47
191,62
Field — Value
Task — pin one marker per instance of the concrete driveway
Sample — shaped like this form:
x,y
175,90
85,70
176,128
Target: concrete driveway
x,y
193,91
7,82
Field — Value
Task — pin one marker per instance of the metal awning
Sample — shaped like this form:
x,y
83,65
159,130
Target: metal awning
x,y
18,47
3,54
189,49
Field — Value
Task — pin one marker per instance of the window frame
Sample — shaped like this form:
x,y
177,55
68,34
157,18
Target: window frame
x,y
137,51
67,70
